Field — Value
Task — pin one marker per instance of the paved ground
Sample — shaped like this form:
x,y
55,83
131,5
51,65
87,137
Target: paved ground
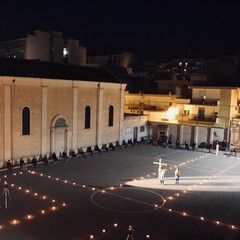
x,y
98,197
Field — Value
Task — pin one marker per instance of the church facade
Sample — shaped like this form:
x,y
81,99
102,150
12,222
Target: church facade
x,y
46,108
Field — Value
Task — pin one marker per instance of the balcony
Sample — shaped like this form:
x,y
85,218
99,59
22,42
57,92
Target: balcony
x,y
201,101
201,118
196,118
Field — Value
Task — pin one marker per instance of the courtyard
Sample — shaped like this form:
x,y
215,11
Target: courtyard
x,y
98,197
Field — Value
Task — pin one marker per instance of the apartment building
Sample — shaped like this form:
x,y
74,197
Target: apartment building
x,y
212,113
45,46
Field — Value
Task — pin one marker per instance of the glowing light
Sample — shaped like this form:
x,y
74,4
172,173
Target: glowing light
x,y
12,185
19,188
64,204
84,186
57,179
147,236
41,174
170,210
65,181
35,194
171,113
14,174
53,200
27,191
91,236
14,222
115,224
43,212
54,208
29,217
232,226
202,218
156,205
217,222
74,183
103,230
44,197
93,188
184,214
49,176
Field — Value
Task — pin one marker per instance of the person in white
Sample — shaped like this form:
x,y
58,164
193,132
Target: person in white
x,y
177,174
161,175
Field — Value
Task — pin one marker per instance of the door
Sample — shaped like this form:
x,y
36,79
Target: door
x,y
135,133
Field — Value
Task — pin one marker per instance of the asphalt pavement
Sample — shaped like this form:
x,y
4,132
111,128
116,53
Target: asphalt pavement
x,y
98,197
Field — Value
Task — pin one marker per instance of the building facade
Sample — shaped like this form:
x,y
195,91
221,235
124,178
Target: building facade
x,y
211,114
45,46
41,115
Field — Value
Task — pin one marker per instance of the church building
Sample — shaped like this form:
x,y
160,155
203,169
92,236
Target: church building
x,y
49,107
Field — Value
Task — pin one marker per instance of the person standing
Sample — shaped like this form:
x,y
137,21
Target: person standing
x,y
161,174
45,160
9,165
64,155
34,162
177,174
21,161
130,233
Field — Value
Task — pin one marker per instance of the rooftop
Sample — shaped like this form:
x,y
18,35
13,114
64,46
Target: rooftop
x,y
39,69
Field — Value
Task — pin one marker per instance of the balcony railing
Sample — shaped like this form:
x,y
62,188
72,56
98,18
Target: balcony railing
x,y
199,101
201,118
196,118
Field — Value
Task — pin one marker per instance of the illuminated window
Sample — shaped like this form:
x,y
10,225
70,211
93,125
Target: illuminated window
x,y
87,117
26,121
65,52
110,116
202,93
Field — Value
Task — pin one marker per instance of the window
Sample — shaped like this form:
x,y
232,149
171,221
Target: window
x,y
110,116
142,128
201,113
60,123
87,117
26,121
186,112
202,93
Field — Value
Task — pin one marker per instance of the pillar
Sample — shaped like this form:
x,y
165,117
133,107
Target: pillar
x,y
99,115
74,116
44,120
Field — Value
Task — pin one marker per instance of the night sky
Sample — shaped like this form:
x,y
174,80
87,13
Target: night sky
x,y
155,30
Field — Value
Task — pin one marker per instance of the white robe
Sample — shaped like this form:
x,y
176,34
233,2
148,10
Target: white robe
x,y
161,173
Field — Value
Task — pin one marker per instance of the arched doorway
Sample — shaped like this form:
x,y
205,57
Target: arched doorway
x,y
59,135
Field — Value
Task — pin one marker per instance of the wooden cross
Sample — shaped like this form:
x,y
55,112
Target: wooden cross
x,y
160,163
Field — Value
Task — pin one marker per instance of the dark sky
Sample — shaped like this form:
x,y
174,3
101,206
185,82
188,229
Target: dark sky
x,y
154,29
